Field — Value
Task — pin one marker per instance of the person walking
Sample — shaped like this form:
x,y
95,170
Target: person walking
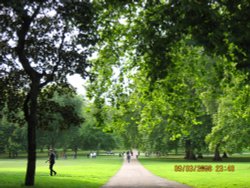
x,y
128,156
52,157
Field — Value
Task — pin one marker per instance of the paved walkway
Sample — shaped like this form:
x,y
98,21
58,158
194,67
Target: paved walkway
x,y
134,175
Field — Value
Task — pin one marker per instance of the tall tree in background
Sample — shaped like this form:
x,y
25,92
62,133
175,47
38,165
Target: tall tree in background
x,y
59,110
47,40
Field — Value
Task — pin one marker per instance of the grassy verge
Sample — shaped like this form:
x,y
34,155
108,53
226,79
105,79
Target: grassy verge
x,y
81,172
231,173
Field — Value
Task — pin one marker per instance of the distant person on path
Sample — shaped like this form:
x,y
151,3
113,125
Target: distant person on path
x,y
51,160
128,156
138,154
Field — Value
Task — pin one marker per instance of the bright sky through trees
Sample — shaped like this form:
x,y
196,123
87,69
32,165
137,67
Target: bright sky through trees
x,y
77,82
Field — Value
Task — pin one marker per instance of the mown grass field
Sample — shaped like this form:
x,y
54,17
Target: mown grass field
x,y
186,172
81,172
93,173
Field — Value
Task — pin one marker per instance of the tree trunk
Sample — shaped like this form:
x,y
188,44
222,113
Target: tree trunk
x,y
30,108
200,156
224,155
189,153
187,149
217,154
31,166
75,155
176,150
30,104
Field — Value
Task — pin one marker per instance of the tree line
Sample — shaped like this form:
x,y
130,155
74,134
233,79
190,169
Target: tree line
x,y
66,122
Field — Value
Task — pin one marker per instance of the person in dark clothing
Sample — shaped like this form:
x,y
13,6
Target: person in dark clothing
x,y
128,156
51,160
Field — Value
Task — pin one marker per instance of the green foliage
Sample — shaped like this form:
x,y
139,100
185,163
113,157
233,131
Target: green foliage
x,y
60,109
170,68
12,136
69,122
59,106
45,45
232,119
93,137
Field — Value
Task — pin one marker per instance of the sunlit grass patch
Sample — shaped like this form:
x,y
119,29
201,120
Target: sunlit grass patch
x,y
81,172
227,174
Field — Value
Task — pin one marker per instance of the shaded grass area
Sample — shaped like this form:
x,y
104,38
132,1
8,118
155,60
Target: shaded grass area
x,y
81,172
230,173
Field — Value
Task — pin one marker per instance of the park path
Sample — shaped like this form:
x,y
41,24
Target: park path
x,y
134,175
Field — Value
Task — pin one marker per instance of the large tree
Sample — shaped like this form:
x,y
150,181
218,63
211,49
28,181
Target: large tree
x,y
47,40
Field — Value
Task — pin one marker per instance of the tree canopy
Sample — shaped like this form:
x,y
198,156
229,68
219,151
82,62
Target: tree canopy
x,y
177,64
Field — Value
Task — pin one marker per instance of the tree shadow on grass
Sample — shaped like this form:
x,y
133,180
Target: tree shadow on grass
x,y
65,184
69,184
66,181
16,179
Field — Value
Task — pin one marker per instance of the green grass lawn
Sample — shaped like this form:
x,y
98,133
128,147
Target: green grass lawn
x,y
218,177
93,173
81,172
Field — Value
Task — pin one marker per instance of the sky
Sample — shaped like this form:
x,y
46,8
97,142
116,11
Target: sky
x,y
77,82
